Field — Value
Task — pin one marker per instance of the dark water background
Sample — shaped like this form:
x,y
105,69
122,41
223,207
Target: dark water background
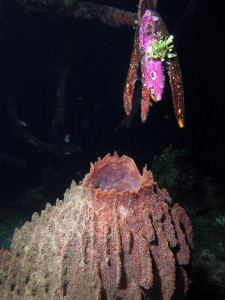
x,y
38,49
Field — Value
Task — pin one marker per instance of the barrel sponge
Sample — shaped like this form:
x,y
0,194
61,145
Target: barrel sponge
x,y
116,235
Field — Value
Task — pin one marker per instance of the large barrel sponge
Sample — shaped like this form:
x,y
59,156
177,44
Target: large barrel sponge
x,y
116,235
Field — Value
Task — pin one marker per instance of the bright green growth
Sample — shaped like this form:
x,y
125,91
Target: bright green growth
x,y
161,48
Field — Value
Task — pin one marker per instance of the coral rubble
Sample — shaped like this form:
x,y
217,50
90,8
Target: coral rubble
x,y
114,236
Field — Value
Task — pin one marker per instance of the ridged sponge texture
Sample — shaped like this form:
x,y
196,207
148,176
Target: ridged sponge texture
x,y
109,238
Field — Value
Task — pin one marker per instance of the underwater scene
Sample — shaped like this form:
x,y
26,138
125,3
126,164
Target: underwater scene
x,y
112,149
